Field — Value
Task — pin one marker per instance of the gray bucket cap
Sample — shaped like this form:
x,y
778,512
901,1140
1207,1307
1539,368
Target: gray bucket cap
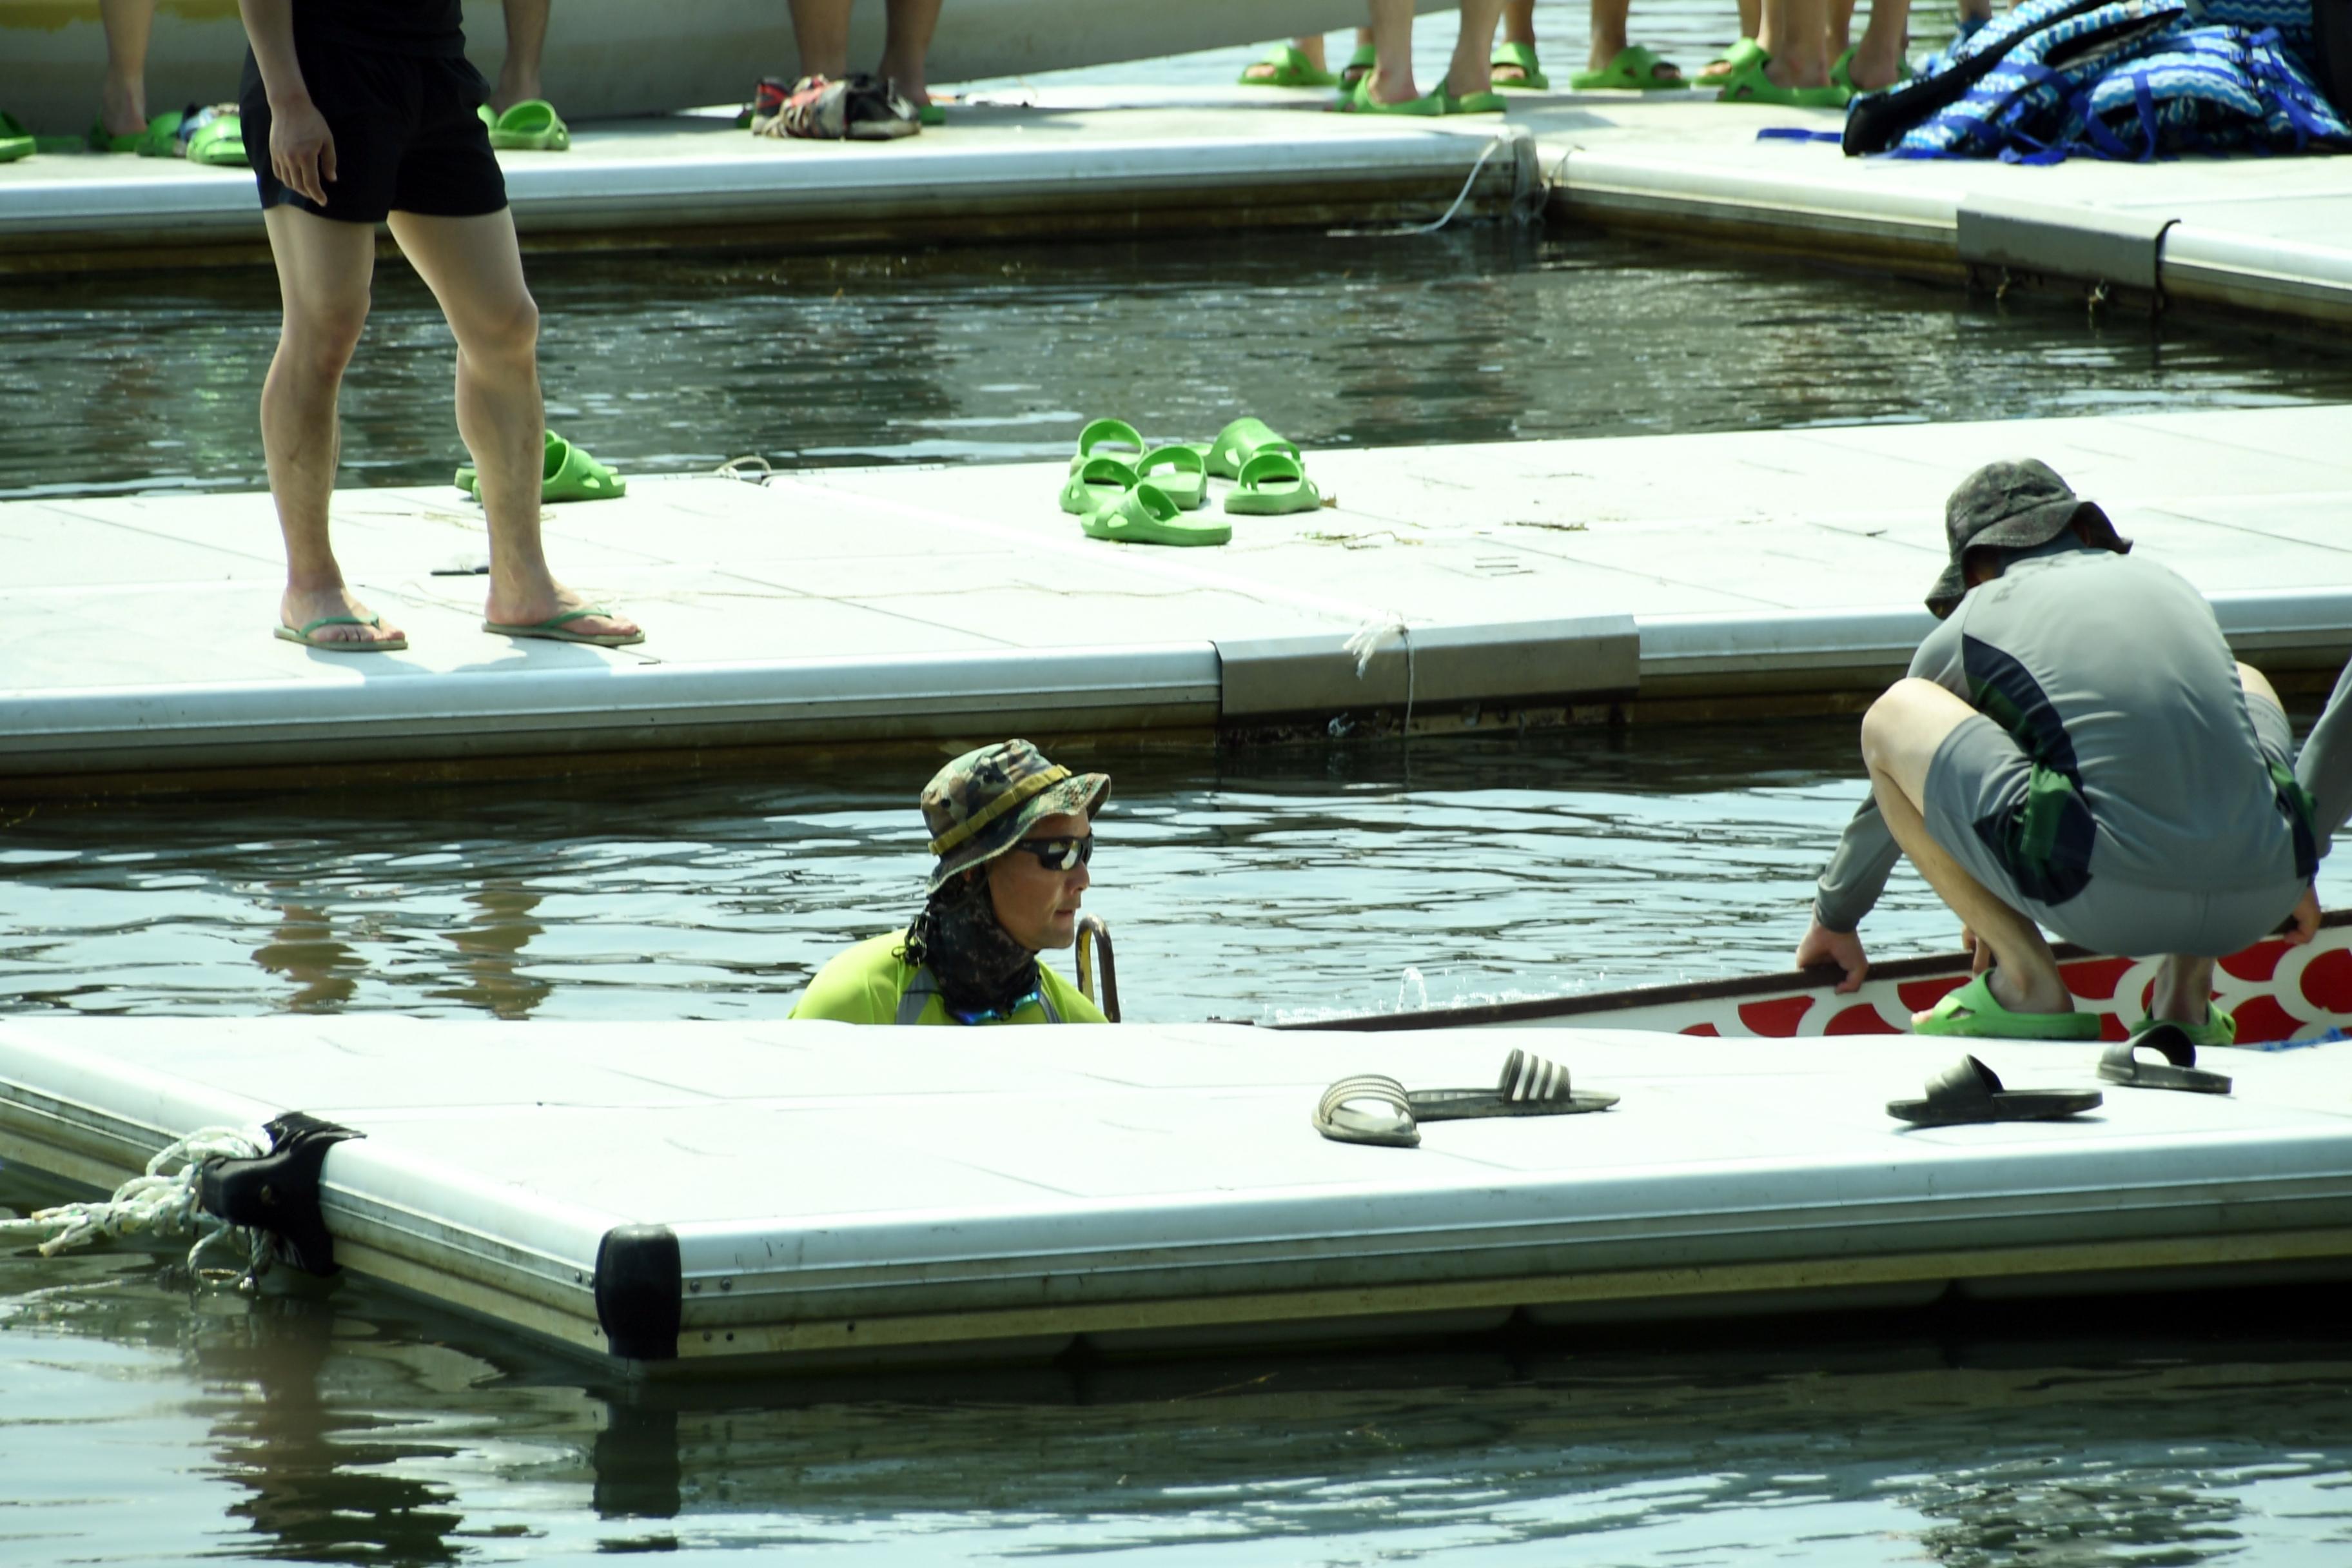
x,y
979,806
2011,506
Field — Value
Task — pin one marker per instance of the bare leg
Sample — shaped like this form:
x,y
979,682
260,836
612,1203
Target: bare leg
x,y
1751,18
1793,32
1900,735
122,98
822,29
1518,27
323,271
1392,38
474,267
912,22
1878,63
1609,40
1473,48
1840,27
526,42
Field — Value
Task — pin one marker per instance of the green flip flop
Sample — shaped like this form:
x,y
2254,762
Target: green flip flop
x,y
1146,516
1520,57
162,137
530,126
1109,438
1973,1012
219,142
301,634
1360,101
1726,66
930,114
15,141
1240,441
1489,102
556,628
1841,74
1632,69
1291,68
1095,484
1181,471
101,139
2217,1029
1272,484
1750,84
1360,64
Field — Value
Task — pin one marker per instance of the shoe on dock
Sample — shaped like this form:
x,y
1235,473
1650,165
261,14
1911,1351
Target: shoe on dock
x,y
1373,1108
2121,1063
1968,1091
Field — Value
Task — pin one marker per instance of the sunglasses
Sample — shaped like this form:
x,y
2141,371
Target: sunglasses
x,y
1059,853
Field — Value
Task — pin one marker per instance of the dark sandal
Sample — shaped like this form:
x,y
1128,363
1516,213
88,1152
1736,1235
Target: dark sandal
x,y
1970,1092
2120,1063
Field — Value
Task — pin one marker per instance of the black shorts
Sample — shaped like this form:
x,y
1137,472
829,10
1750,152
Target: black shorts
x,y
407,138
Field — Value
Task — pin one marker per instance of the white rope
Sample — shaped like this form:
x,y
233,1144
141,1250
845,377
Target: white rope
x,y
1501,139
1376,634
161,1203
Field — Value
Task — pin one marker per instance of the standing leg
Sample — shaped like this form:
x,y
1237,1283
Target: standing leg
x,y
1393,40
1878,62
474,267
323,271
1473,69
907,43
1795,34
526,42
821,27
123,98
1900,735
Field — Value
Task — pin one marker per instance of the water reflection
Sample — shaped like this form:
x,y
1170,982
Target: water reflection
x,y
324,970
490,948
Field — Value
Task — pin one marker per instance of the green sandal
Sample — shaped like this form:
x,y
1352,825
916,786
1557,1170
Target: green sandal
x,y
1146,516
1271,485
1360,101
555,629
571,474
1240,441
1109,438
1361,64
101,139
1489,102
530,126
219,142
1291,68
1727,65
15,141
2217,1029
1520,57
1841,75
1097,483
1180,472
162,137
301,634
1749,84
1632,69
1974,1013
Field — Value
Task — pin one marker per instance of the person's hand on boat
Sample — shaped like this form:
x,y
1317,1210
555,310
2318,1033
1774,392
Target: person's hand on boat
x,y
1842,948
301,148
2303,923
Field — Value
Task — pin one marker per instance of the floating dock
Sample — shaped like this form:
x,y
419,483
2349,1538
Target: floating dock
x,y
2267,236
1495,587
683,1197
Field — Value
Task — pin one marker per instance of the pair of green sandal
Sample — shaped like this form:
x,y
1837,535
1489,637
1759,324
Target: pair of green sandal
x,y
1974,1012
212,136
1117,481
1287,65
530,126
1111,502
569,474
1358,99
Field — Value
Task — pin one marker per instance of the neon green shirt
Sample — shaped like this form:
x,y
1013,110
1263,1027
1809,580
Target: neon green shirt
x,y
868,983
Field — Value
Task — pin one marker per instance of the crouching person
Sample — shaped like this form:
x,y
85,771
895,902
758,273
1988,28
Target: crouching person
x,y
1012,832
2075,748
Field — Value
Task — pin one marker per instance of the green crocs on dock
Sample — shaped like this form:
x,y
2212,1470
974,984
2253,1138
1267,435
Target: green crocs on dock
x,y
1973,1012
15,141
530,126
1520,57
1240,441
1272,484
1097,483
1291,68
1109,438
1146,516
571,474
1180,470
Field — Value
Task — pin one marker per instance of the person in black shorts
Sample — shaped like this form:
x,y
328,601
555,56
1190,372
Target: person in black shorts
x,y
358,112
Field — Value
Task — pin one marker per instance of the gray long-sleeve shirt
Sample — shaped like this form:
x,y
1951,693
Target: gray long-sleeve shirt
x,y
2112,668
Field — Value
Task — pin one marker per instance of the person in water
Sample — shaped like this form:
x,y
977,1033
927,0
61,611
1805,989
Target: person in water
x,y
2076,748
1012,832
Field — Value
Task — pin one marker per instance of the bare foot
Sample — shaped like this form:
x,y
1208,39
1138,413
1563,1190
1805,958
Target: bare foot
x,y
1265,70
907,77
123,109
1391,87
522,89
528,610
301,606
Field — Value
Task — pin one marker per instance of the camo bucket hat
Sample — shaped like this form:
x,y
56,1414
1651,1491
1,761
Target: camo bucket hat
x,y
979,806
2011,506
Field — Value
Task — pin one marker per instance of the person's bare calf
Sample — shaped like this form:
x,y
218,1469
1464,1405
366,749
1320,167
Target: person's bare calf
x,y
1473,69
1878,60
526,42
474,267
122,94
323,268
908,46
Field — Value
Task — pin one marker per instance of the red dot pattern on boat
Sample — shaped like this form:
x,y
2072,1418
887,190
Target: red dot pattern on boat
x,y
2328,982
1862,1018
2258,962
2095,979
2112,1027
1708,1030
2261,1021
1918,996
1777,1018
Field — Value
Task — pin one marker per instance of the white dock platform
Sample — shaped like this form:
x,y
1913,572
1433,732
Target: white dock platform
x,y
704,1196
2269,236
1539,581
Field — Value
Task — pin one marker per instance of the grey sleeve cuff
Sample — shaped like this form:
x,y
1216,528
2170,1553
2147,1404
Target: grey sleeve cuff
x,y
1857,873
